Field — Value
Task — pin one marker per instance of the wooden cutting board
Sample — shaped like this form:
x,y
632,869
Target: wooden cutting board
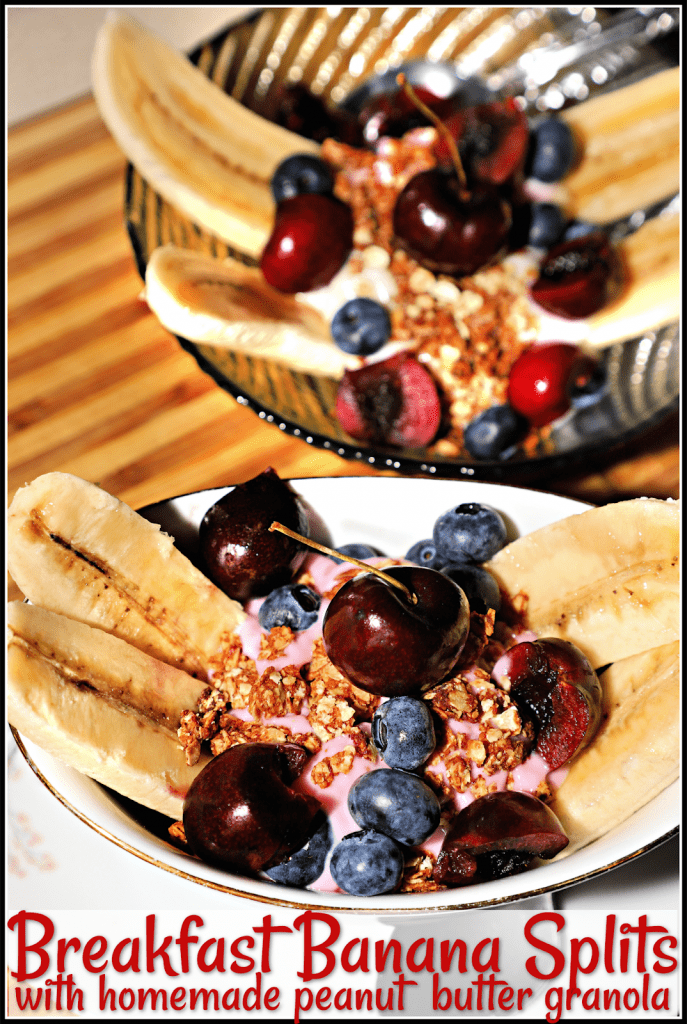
x,y
97,388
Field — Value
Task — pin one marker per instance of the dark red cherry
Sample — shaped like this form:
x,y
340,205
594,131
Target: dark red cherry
x,y
388,645
553,684
240,813
240,553
447,229
578,278
295,107
311,240
394,402
542,379
497,835
395,113
492,141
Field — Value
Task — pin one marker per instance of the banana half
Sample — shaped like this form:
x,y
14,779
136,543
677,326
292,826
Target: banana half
x,y
206,154
100,705
635,754
225,304
77,550
606,579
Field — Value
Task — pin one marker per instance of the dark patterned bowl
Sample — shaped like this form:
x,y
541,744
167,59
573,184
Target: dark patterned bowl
x,y
343,54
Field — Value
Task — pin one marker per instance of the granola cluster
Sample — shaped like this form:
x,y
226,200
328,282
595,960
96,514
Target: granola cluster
x,y
467,331
487,734
318,691
479,730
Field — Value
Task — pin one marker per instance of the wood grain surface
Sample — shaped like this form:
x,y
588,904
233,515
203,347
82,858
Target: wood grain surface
x,y
98,388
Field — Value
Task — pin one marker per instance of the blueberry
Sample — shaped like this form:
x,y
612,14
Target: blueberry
x,y
546,225
294,605
299,174
479,586
403,732
469,533
367,864
578,229
552,151
494,433
396,803
361,551
424,552
307,864
361,326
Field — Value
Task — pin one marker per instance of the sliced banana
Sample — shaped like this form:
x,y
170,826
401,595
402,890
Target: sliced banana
x,y
630,140
635,754
209,156
93,659
226,304
607,578
651,295
101,706
75,549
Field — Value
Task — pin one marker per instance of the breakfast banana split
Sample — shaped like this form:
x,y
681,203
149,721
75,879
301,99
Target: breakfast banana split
x,y
351,720
459,277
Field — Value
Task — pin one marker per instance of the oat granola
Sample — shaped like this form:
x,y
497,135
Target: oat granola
x,y
267,697
467,331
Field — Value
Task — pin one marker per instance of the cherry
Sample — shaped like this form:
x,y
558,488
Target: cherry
x,y
448,229
388,645
578,277
441,222
553,684
543,377
240,813
241,556
492,141
299,110
497,835
311,240
394,114
394,402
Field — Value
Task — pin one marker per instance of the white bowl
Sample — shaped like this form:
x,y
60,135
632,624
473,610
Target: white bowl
x,y
390,514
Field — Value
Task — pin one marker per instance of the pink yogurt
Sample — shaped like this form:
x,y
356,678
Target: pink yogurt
x,y
324,572
334,799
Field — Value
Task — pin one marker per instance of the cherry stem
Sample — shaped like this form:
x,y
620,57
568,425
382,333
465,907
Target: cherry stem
x,y
346,558
404,84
